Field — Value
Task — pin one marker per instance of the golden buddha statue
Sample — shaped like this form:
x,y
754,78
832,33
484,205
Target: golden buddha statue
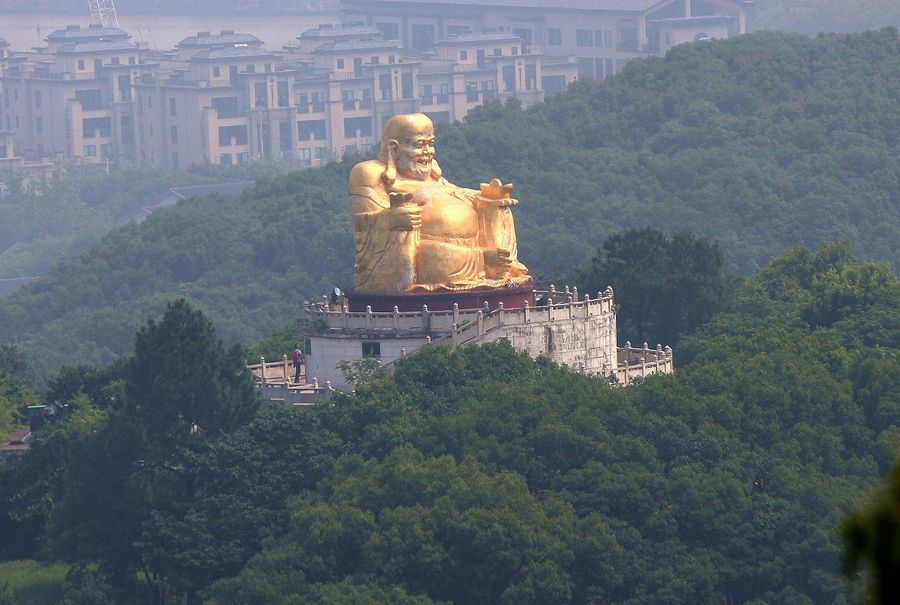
x,y
417,232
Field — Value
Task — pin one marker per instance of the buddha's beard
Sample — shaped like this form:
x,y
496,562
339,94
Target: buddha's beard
x,y
419,171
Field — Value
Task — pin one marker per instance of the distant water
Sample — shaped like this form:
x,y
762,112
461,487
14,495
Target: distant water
x,y
164,32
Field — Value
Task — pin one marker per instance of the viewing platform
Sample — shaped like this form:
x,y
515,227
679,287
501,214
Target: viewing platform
x,y
575,330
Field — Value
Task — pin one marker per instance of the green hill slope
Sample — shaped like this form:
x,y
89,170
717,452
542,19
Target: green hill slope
x,y
760,142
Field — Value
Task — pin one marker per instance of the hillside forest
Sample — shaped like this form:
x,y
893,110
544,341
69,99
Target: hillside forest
x,y
742,198
480,475
759,143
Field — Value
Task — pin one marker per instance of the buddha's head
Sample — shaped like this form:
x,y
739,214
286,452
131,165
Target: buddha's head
x,y
407,148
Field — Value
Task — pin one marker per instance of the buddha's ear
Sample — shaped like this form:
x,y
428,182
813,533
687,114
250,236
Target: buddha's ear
x,y
390,169
436,171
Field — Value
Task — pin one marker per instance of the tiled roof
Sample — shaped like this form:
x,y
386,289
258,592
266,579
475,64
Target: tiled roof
x,y
74,32
213,54
601,5
95,47
332,47
337,32
226,38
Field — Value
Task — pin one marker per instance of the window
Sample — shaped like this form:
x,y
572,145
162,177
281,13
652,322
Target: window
x,y
96,127
371,349
132,61
384,83
311,130
554,36
226,107
392,59
628,39
268,67
304,155
607,39
302,102
509,78
251,68
225,158
80,64
38,126
318,101
260,94
463,55
283,94
232,135
443,94
471,92
340,64
173,134
172,108
175,160
391,31
406,86
89,99
217,71
374,60
349,99
90,151
584,37
497,52
422,37
514,50
585,68
37,99
114,61
365,98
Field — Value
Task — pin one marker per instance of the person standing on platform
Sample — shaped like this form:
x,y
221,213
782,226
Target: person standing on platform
x,y
297,358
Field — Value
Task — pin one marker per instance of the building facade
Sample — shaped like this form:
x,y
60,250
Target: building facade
x,y
601,34
91,96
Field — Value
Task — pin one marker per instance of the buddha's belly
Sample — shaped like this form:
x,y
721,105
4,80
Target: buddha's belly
x,y
445,216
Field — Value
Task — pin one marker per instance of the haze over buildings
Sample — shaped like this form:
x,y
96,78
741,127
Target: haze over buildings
x,y
92,95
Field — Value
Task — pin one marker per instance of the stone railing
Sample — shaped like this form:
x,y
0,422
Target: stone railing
x,y
638,362
275,381
457,325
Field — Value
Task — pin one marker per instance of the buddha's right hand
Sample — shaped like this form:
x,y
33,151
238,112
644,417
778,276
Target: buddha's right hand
x,y
405,215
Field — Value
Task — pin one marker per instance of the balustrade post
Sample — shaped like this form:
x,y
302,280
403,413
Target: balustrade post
x,y
285,364
396,318
500,312
479,317
454,336
455,315
587,305
550,308
426,319
262,369
368,317
526,310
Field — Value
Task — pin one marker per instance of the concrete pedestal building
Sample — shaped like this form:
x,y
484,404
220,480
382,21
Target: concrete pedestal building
x,y
579,332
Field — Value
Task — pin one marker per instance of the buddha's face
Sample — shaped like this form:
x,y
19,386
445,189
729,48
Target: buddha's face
x,y
415,153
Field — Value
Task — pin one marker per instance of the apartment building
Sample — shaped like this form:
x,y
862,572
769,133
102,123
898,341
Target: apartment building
x,y
91,96
602,34
73,98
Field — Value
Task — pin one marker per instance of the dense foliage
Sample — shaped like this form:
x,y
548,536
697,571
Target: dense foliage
x,y
46,220
480,475
17,388
758,142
